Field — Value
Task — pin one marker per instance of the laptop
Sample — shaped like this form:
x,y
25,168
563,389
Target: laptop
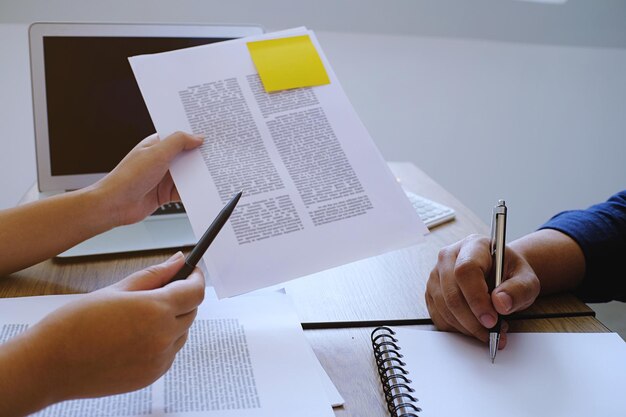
x,y
89,113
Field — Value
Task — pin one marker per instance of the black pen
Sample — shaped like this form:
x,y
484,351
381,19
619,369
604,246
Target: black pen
x,y
498,241
205,241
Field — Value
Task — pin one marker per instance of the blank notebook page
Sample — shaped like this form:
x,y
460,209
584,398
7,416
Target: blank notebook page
x,y
537,374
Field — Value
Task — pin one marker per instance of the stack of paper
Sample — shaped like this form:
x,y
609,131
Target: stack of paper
x,y
245,356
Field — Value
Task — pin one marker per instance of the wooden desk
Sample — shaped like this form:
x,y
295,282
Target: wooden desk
x,y
392,286
381,288
346,355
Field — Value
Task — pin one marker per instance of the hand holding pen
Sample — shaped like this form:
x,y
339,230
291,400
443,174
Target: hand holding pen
x,y
498,243
205,241
458,297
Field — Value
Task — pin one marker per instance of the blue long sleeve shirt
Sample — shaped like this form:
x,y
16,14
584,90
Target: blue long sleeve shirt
x,y
600,231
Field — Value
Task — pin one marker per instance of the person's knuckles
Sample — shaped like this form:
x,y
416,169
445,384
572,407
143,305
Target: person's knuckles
x,y
154,271
430,304
469,322
440,308
440,323
451,320
459,316
476,240
150,278
440,313
446,255
466,267
428,298
433,282
454,299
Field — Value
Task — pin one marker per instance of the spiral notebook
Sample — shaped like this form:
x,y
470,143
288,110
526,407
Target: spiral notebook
x,y
428,373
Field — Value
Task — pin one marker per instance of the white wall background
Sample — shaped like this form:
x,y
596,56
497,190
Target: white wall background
x,y
492,98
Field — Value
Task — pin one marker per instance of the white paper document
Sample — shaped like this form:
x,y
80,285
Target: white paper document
x,y
537,374
245,356
317,192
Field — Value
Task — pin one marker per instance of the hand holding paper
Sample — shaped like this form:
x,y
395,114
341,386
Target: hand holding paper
x,y
317,193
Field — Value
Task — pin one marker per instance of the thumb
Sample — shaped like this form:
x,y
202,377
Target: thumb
x,y
178,142
154,276
516,293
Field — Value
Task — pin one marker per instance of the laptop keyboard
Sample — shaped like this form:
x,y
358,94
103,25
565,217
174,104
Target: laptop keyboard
x,y
431,212
170,208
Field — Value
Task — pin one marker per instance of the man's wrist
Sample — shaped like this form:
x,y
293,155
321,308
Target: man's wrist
x,y
555,258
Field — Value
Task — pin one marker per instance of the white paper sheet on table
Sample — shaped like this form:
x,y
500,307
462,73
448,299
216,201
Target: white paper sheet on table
x,y
271,369
332,393
306,206
537,374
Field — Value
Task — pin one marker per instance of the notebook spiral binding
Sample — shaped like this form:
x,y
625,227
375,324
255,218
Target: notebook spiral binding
x,y
393,377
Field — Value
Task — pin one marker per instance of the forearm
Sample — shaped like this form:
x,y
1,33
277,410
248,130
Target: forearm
x,y
25,380
37,231
557,260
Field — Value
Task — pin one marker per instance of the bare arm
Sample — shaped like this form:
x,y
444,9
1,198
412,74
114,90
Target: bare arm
x,y
557,260
37,231
118,339
135,188
122,337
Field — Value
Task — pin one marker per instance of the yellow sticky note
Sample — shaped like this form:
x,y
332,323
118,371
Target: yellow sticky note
x,y
285,63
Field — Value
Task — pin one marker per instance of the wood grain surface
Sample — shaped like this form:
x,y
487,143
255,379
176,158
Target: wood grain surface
x,y
386,287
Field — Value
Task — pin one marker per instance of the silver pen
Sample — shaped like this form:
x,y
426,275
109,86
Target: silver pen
x,y
498,241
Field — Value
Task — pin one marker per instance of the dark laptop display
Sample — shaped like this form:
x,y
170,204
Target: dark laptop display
x,y
89,113
95,111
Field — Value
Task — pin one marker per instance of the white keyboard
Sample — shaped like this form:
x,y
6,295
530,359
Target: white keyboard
x,y
431,212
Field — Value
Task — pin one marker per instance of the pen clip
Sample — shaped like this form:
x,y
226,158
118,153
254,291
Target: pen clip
x,y
499,210
498,241
492,241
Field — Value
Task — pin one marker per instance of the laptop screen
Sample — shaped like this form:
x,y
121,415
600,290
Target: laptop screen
x,y
96,113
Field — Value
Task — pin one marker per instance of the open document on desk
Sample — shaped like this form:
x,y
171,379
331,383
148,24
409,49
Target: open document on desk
x,y
317,192
245,356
